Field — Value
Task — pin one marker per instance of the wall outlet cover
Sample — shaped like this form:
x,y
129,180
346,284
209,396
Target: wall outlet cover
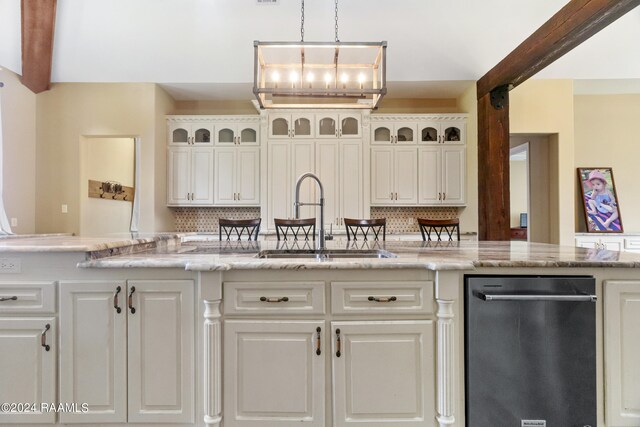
x,y
10,265
65,209
14,222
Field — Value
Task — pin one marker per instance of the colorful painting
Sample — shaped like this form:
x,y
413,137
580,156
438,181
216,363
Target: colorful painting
x,y
599,200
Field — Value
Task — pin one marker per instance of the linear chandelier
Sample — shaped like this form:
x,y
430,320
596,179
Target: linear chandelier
x,y
320,74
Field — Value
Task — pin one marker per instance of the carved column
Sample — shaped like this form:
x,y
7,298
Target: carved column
x,y
212,364
445,363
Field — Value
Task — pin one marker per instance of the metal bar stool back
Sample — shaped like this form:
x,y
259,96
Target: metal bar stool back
x,y
446,228
374,229
236,229
295,229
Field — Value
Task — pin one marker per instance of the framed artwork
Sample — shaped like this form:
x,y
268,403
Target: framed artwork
x,y
600,200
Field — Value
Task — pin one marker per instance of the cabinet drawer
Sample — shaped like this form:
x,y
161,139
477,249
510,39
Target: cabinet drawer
x,y
382,297
632,244
27,297
249,298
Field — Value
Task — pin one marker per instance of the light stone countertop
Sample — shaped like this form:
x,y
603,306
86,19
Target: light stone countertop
x,y
465,255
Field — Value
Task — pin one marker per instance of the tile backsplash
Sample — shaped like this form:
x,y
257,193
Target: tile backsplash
x,y
399,219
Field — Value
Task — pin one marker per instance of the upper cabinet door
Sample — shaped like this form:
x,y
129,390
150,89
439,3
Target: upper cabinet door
x,y
224,192
382,134
302,126
202,176
327,169
179,176
453,175
227,134
202,134
248,176
429,176
406,175
280,126
278,182
351,180
327,125
429,133
248,134
349,126
190,133
382,176
405,133
453,133
179,133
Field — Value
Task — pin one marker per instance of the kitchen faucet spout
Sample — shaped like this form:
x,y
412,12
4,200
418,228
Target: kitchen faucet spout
x,y
321,242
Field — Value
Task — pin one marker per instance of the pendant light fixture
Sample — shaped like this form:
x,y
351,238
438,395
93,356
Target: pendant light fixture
x,y
319,74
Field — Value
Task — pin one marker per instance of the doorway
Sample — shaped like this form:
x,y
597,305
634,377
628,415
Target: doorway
x,y
106,160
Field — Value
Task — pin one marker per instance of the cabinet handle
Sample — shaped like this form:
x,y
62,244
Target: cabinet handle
x,y
43,337
238,196
391,197
192,196
336,132
338,344
282,299
439,196
318,340
13,298
382,299
340,133
131,307
444,196
396,196
115,300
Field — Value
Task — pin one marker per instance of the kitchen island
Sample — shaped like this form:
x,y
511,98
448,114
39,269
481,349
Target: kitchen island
x,y
207,333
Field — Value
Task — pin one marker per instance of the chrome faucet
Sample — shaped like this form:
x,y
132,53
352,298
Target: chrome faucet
x,y
297,204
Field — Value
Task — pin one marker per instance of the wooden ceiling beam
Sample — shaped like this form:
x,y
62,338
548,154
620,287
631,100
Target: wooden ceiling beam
x,y
38,24
573,24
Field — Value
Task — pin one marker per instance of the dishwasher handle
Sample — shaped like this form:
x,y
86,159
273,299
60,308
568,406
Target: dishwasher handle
x,y
536,297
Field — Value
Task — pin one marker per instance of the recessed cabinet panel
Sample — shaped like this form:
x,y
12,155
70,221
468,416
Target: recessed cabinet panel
x,y
453,176
30,297
179,135
351,180
226,135
225,173
179,176
328,170
350,126
274,376
303,161
327,126
406,175
453,133
405,133
429,175
202,176
279,182
385,373
248,135
382,176
382,134
201,135
279,127
302,126
27,370
249,299
248,176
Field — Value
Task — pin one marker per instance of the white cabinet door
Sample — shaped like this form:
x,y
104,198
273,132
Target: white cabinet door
x,y
225,176
406,175
248,176
202,176
93,351
161,352
453,132
382,133
429,175
405,133
351,180
179,133
350,126
226,134
274,375
453,174
28,370
382,176
302,126
621,349
279,125
278,182
385,373
327,125
248,133
328,170
303,161
429,132
179,176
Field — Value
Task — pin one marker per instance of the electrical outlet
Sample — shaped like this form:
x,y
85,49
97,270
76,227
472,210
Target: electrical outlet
x,y
65,209
14,222
10,265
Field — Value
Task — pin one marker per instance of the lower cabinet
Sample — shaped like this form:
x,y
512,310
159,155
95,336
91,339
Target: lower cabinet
x,y
28,368
621,349
127,350
382,373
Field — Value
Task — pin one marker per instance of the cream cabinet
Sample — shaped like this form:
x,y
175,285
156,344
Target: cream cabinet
x,y
237,176
394,176
383,373
612,243
335,125
287,160
190,176
394,133
441,175
237,134
449,132
621,349
191,133
339,166
128,351
28,349
274,373
300,126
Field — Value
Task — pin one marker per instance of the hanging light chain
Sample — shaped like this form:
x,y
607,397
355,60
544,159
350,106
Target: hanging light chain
x,y
302,22
337,38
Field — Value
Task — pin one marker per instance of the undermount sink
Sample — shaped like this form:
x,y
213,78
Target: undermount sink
x,y
325,254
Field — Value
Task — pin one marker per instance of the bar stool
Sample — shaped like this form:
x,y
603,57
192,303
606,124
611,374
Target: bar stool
x,y
363,226
295,229
239,227
439,226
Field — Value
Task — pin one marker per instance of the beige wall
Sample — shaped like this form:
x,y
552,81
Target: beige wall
x,y
19,152
468,103
69,112
518,190
213,107
163,105
418,106
105,159
546,107
608,134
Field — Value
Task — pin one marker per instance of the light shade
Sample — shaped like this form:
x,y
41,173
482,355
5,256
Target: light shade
x,y
320,74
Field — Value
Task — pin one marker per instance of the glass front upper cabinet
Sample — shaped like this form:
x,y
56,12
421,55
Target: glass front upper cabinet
x,y
394,133
190,133
291,126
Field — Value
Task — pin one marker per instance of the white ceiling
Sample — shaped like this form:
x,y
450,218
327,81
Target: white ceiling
x,y
202,49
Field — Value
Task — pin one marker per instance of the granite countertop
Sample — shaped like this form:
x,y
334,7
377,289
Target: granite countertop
x,y
465,255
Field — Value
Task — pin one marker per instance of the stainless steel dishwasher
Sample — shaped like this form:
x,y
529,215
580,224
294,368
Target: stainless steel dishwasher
x,y
530,352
